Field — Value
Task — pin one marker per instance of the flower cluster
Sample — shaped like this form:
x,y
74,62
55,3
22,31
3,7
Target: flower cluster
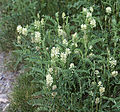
x,y
96,72
54,87
93,23
37,24
65,42
89,14
63,57
97,100
101,90
42,21
75,39
67,51
55,52
50,70
112,62
61,32
63,15
49,80
18,39
89,18
83,27
99,83
114,73
20,30
71,66
37,37
24,31
108,10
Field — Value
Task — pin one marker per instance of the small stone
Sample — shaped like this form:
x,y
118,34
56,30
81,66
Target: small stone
x,y
4,100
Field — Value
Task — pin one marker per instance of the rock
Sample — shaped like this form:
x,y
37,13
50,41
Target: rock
x,y
3,100
6,80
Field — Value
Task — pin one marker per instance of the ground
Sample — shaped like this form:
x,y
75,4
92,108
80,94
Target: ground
x,y
6,81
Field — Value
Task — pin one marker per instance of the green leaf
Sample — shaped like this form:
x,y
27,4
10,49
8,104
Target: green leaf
x,y
94,41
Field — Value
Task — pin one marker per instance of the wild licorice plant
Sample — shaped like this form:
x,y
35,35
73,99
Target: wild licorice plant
x,y
74,65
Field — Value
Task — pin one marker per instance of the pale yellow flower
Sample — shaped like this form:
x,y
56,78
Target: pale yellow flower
x,y
93,23
114,73
108,10
83,27
101,90
19,29
97,100
24,31
49,80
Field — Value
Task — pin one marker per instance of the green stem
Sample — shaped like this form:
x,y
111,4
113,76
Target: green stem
x,y
85,44
96,107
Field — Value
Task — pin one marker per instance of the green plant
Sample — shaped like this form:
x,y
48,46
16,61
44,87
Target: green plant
x,y
74,62
23,90
15,12
75,66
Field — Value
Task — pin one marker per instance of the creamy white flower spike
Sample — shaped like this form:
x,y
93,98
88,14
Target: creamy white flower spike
x,y
96,72
91,9
19,29
37,24
63,15
50,70
65,42
99,83
90,47
101,90
93,23
93,83
47,48
76,45
37,34
54,94
61,32
90,55
37,38
18,39
83,27
55,52
97,100
85,10
112,62
42,21
74,35
71,66
67,51
63,57
24,31
91,93
38,15
76,51
108,10
54,87
89,15
49,80
114,73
